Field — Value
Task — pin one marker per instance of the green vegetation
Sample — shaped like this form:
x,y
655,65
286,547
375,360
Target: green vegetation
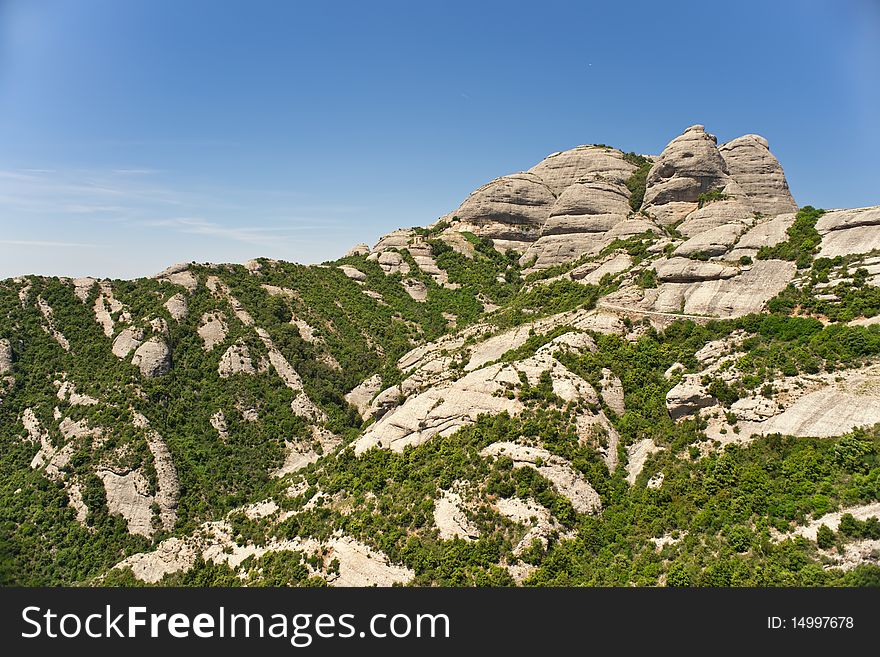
x,y
803,240
636,182
712,196
717,511
851,297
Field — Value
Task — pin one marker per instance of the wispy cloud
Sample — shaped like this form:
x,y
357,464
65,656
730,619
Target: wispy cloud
x,y
49,244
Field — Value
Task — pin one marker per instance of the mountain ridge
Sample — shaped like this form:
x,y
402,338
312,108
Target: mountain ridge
x,y
514,394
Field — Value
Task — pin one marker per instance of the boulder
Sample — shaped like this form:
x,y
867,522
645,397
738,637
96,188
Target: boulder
x,y
415,289
177,306
127,341
353,273
153,358
392,262
358,249
361,396
236,360
396,239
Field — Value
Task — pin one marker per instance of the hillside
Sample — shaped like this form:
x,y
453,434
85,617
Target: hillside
x,y
611,369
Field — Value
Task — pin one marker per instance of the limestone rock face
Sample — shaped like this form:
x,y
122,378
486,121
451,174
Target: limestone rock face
x,y
153,358
689,166
177,306
445,406
236,360
82,287
560,170
450,518
212,329
759,174
712,242
846,232
361,396
5,356
127,341
637,455
358,249
715,215
687,397
612,392
682,270
558,471
767,233
415,289
579,221
392,262
511,208
396,239
353,273
128,496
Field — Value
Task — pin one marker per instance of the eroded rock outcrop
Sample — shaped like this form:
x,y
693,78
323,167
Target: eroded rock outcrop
x,y
153,358
689,166
212,329
759,174
236,360
5,356
567,481
510,210
847,232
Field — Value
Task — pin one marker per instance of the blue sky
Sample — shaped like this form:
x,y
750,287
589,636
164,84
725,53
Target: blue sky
x,y
141,133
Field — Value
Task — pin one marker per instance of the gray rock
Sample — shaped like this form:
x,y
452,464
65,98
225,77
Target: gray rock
x,y
847,232
153,358
127,341
361,396
5,356
759,174
714,215
177,306
689,166
212,329
358,249
687,397
565,479
397,239
713,242
353,273
415,289
512,208
560,170
767,233
236,360
682,270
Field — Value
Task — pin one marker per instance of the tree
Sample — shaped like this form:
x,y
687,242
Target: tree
x,y
825,537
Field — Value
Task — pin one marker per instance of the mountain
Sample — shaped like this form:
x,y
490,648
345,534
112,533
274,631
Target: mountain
x,y
611,369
